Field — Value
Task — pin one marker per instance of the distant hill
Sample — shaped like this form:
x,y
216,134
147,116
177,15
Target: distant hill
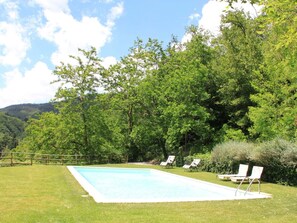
x,y
25,111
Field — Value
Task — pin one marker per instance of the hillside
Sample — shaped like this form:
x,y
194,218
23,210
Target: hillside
x,y
11,131
25,111
13,120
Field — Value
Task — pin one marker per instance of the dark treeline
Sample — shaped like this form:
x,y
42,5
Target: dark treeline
x,y
181,99
11,131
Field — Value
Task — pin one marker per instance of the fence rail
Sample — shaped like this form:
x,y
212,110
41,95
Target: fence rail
x,y
17,158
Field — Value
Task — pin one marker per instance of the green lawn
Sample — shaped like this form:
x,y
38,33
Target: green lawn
x,y
50,194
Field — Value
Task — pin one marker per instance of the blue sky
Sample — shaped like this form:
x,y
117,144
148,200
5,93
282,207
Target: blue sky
x,y
36,35
151,18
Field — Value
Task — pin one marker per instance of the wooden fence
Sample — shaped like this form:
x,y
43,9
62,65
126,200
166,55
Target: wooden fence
x,y
17,158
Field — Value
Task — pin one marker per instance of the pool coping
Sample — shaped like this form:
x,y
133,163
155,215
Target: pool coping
x,y
97,196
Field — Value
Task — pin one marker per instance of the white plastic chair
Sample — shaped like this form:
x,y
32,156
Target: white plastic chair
x,y
255,176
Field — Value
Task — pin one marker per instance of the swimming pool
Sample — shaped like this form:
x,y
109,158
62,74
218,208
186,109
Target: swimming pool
x,y
137,185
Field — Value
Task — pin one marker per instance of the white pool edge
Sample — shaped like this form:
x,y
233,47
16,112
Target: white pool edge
x,y
100,199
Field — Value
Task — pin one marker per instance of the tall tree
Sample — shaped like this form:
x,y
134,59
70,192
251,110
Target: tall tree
x,y
77,102
238,56
123,83
184,94
276,82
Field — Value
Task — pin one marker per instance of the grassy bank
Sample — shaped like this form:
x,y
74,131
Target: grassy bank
x,y
50,194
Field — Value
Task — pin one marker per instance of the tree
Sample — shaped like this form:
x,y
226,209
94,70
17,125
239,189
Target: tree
x,y
241,1
276,83
273,112
238,54
149,131
46,134
184,95
123,82
77,104
11,131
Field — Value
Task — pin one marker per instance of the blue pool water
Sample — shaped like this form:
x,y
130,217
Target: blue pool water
x,y
149,185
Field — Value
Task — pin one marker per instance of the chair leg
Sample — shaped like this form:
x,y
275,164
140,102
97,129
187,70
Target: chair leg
x,y
239,186
248,188
259,186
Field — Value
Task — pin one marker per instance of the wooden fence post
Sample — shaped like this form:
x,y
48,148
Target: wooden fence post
x,y
11,159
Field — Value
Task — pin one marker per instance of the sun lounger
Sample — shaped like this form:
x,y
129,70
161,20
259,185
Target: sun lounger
x,y
242,172
193,165
168,162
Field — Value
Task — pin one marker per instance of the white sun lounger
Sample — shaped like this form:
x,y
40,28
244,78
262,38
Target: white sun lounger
x,y
193,165
168,162
242,172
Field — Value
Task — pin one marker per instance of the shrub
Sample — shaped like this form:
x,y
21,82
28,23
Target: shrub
x,y
227,156
279,159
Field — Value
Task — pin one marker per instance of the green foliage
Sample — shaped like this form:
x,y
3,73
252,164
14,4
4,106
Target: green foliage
x,y
80,125
276,82
45,135
52,133
185,95
231,2
77,103
233,134
227,156
280,18
278,157
131,100
275,113
237,55
11,131
240,85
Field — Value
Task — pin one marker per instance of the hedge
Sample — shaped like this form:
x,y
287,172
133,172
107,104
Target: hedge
x,y
278,157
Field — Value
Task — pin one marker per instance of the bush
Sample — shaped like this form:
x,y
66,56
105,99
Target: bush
x,y
279,159
227,156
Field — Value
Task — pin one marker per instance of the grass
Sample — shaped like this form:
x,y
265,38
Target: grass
x,y
50,194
